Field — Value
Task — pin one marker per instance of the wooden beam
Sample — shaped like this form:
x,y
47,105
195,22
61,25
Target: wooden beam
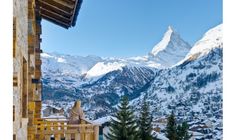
x,y
55,21
57,137
55,15
60,5
68,137
38,62
60,12
67,3
74,11
37,73
31,49
31,40
70,1
48,132
55,9
48,137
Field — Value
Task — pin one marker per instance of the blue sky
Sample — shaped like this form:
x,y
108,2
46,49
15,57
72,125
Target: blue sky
x,y
124,28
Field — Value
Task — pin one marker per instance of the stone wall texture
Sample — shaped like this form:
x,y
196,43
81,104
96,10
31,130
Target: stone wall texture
x,y
24,66
20,15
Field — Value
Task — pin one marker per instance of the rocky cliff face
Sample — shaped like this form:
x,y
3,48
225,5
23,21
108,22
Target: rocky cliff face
x,y
170,50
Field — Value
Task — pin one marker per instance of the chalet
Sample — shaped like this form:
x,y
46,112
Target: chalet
x,y
27,85
200,127
196,136
161,121
50,110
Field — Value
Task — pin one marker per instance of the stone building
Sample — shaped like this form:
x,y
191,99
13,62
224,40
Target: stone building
x,y
27,85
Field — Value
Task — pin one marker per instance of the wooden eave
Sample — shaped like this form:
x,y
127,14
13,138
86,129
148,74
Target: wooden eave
x,y
56,9
61,12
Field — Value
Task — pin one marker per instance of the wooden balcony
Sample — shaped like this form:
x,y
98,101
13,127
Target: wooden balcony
x,y
58,129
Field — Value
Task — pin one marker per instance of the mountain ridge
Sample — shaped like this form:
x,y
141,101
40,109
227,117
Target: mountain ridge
x,y
191,87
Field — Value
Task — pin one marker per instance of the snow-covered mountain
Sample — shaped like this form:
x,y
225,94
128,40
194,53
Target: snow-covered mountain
x,y
75,70
102,68
174,75
65,70
212,39
192,89
66,63
170,50
72,72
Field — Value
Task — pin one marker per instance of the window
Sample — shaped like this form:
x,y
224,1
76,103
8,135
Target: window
x,y
13,113
15,83
24,91
14,36
14,136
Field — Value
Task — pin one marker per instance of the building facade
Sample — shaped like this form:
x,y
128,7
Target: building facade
x,y
27,85
26,67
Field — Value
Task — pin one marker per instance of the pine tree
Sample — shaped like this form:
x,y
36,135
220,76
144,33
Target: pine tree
x,y
176,132
171,128
179,132
182,132
145,121
123,126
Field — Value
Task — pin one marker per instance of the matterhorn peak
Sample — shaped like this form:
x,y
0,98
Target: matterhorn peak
x,y
170,29
171,49
169,35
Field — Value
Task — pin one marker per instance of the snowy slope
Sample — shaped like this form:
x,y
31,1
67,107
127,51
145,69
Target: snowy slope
x,y
109,65
190,83
101,68
68,63
170,50
212,39
59,69
73,71
98,96
192,89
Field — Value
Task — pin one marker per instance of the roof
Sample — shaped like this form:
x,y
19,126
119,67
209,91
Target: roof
x,y
61,12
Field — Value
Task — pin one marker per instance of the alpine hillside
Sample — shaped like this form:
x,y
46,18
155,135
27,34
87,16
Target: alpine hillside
x,y
174,75
193,88
99,82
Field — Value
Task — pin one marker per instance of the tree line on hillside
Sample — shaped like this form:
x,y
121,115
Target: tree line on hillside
x,y
124,126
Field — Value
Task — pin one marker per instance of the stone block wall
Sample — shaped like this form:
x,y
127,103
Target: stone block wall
x,y
26,42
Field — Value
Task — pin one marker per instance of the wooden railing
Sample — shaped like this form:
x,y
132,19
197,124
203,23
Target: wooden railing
x,y
59,129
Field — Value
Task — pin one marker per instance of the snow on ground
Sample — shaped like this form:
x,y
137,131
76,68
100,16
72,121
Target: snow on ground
x,y
176,77
102,120
210,40
159,135
102,68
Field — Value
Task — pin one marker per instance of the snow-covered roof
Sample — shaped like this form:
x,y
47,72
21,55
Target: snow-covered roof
x,y
102,120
